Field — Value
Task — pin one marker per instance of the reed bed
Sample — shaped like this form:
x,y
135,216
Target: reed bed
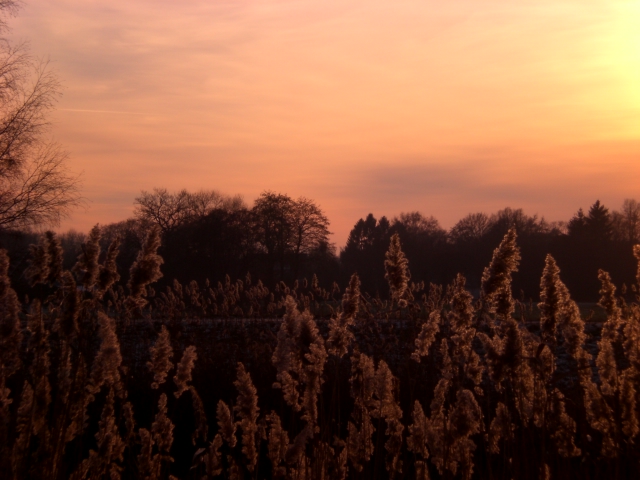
x,y
234,380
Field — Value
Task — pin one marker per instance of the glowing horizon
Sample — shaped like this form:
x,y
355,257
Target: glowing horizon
x,y
362,106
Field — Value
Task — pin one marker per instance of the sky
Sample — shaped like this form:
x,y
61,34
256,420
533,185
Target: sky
x,y
361,105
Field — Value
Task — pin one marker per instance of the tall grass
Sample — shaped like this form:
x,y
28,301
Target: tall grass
x,y
299,382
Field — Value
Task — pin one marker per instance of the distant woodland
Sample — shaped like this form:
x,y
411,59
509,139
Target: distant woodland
x,y
207,235
299,381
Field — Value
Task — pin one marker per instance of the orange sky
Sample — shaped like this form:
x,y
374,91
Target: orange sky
x,y
365,106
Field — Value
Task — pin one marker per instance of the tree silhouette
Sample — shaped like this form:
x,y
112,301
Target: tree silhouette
x,y
598,223
272,227
35,187
471,228
364,252
578,224
170,210
285,227
309,229
626,222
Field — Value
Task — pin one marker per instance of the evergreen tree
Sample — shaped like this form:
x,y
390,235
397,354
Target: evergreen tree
x,y
598,223
577,225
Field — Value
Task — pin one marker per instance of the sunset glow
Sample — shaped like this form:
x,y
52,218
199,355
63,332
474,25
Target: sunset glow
x,y
364,106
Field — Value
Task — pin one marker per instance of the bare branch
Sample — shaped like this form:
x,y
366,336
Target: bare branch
x,y
23,110
170,210
35,187
43,193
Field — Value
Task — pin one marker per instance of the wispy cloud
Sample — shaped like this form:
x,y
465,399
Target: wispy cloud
x,y
116,112
363,105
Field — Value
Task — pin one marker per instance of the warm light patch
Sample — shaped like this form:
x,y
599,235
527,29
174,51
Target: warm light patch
x,y
443,107
631,58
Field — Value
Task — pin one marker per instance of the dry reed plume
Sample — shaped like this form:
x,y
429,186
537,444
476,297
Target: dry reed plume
x,y
442,387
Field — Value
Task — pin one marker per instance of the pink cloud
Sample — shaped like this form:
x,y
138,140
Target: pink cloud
x,y
365,106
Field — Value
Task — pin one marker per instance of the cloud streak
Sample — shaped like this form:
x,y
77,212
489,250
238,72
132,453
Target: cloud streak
x,y
116,112
362,105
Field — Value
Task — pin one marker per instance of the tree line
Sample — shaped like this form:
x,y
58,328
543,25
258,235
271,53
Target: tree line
x,y
599,238
443,386
208,235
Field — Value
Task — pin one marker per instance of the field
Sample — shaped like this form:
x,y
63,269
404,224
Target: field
x,y
236,380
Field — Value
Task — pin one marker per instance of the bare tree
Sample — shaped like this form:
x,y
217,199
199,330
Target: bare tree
x,y
471,228
271,214
167,210
204,201
285,227
417,225
170,210
309,226
309,229
626,222
35,186
39,194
